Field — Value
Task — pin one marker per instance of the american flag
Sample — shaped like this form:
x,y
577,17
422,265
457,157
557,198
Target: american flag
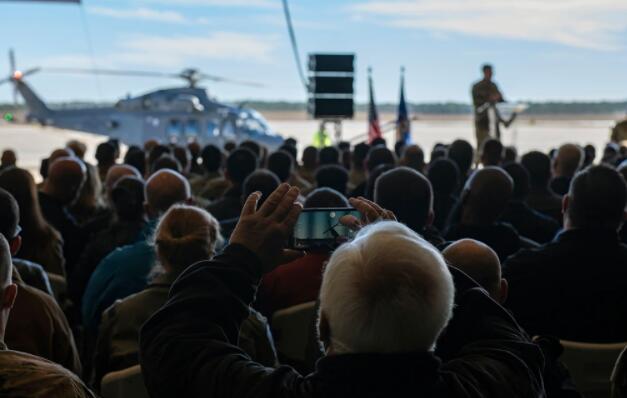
x,y
374,129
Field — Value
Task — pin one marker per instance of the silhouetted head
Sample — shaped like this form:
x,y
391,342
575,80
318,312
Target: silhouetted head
x,y
462,153
79,148
485,196
166,162
66,176
137,159
263,181
105,154
182,155
538,165
164,189
408,194
510,154
332,176
520,177
310,158
252,146
212,158
325,198
487,71
118,171
291,150
360,153
328,155
8,158
590,153
379,155
492,152
567,160
156,152
281,164
413,157
596,199
444,176
10,220
240,164
127,198
481,263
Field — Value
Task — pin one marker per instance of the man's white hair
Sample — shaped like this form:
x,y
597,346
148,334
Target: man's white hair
x,y
387,291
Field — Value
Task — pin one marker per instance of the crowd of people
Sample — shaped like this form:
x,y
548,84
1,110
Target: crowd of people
x,y
465,271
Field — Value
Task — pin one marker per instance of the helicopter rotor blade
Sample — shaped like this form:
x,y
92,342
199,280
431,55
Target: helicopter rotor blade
x,y
219,79
113,72
13,69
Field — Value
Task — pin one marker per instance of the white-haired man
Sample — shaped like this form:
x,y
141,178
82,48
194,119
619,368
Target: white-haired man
x,y
380,318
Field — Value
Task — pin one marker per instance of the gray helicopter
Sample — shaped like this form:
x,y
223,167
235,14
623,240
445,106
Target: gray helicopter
x,y
172,115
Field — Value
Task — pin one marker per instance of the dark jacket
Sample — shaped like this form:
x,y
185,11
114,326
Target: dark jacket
x,y
501,237
33,275
574,288
188,348
443,205
545,201
560,185
227,207
530,223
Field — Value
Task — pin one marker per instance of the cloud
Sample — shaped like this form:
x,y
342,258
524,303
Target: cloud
x,y
592,24
146,14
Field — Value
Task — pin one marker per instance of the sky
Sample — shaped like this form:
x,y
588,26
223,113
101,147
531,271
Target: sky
x,y
541,49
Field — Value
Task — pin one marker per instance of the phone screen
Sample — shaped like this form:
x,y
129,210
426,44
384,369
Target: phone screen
x,y
321,228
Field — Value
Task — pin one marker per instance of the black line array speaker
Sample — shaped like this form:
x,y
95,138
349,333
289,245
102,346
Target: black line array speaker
x,y
331,86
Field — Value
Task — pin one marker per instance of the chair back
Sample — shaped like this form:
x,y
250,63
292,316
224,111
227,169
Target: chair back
x,y
619,376
291,329
125,383
591,366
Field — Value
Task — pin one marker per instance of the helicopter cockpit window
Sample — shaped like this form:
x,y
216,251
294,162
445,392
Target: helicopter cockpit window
x,y
174,130
191,128
212,129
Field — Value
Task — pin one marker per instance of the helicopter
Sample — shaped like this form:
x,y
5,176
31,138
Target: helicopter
x,y
174,115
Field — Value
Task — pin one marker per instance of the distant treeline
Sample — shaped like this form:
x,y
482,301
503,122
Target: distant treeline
x,y
440,108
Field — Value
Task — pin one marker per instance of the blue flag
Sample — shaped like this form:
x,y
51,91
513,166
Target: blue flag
x,y
403,124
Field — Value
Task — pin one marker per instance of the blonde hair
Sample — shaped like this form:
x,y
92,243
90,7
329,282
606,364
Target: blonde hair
x,y
386,291
185,235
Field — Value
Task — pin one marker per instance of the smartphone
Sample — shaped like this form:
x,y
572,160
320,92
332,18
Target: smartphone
x,y
320,228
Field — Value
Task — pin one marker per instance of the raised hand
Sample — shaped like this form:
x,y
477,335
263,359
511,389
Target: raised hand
x,y
370,213
265,231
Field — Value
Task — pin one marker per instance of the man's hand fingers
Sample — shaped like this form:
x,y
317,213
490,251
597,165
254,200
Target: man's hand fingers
x,y
367,211
274,199
285,206
292,216
351,222
251,204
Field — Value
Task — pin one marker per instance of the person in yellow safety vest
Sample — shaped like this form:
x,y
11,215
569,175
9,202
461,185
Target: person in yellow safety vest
x,y
321,138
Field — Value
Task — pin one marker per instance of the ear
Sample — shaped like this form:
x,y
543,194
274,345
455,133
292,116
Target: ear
x,y
565,203
15,244
430,218
8,297
504,291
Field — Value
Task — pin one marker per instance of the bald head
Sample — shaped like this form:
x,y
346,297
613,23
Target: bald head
x,y
413,157
118,171
66,176
485,196
163,189
77,147
8,158
567,161
59,153
5,264
480,262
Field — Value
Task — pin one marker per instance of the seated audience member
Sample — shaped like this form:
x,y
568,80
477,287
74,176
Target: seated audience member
x,y
195,168
334,177
105,155
479,262
372,179
79,148
26,375
183,157
263,181
281,164
60,190
294,179
444,177
463,154
439,152
239,165
9,159
166,162
408,194
357,173
399,147
481,205
590,153
154,154
89,204
328,155
36,325
575,287
541,198
310,164
510,154
492,152
185,235
377,156
566,162
136,158
413,157
41,243
230,146
127,224
115,174
255,148
299,281
125,270
528,222
211,184
380,318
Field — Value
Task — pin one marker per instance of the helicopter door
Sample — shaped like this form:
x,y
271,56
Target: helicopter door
x,y
174,131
